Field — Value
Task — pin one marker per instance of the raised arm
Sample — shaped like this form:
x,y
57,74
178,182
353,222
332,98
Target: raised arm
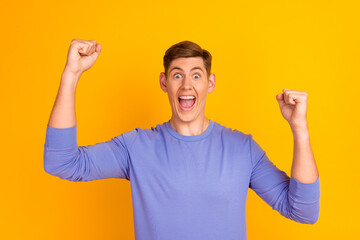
x,y
62,156
81,56
298,197
293,106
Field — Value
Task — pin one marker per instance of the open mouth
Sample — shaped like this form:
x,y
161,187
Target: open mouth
x,y
187,102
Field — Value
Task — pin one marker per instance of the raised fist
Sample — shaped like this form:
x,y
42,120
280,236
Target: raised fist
x,y
82,55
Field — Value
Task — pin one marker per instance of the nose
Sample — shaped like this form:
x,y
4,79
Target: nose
x,y
186,83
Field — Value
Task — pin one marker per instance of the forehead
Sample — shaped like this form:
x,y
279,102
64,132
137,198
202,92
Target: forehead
x,y
187,63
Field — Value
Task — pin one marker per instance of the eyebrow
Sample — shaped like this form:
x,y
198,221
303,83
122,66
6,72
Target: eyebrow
x,y
183,70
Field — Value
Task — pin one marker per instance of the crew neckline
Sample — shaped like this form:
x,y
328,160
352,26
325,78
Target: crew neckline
x,y
190,138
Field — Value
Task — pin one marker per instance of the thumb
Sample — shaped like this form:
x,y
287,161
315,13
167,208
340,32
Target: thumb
x,y
97,50
280,99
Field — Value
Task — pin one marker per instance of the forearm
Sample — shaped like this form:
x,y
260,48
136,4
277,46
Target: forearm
x,y
304,167
63,112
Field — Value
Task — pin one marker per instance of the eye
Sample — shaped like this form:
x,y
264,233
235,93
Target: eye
x,y
198,76
177,74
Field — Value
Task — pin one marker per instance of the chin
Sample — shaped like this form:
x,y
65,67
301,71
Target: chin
x,y
187,117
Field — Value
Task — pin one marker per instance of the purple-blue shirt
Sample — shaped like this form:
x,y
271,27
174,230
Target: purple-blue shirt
x,y
185,187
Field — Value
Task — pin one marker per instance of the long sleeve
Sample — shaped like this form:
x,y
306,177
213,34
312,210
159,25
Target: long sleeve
x,y
293,199
65,159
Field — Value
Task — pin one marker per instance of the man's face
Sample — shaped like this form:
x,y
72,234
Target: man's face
x,y
187,85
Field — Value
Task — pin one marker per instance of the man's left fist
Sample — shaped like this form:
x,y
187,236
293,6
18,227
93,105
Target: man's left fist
x,y
293,107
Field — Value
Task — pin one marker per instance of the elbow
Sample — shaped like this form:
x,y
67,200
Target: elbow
x,y
48,165
305,220
311,220
54,170
72,165
310,216
61,172
60,164
47,169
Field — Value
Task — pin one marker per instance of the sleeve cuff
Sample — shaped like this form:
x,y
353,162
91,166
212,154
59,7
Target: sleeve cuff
x,y
305,192
59,138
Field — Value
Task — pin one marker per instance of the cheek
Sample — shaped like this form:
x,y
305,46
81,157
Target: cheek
x,y
202,91
172,94
172,90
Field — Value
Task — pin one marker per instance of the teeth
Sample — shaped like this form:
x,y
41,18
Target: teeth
x,y
187,97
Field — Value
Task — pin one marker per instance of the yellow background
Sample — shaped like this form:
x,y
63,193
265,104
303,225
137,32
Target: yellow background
x,y
258,48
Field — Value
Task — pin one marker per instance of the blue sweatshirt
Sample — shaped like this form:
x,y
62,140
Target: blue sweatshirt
x,y
185,187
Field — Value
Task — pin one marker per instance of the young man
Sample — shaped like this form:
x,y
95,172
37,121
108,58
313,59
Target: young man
x,y
190,175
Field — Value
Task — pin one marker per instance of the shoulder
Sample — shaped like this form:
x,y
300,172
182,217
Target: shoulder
x,y
143,134
241,141
232,134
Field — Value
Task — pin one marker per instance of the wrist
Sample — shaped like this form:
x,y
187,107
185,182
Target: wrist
x,y
300,132
69,79
67,72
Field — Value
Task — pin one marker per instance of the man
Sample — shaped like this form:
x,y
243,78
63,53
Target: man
x,y
189,176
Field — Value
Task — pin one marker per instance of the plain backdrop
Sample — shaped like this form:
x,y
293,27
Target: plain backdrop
x,y
258,48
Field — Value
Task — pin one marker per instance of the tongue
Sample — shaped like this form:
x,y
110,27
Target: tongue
x,y
187,102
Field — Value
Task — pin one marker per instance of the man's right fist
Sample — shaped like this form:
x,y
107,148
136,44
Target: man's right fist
x,y
82,55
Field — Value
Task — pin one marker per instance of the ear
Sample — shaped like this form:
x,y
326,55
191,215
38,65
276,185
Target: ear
x,y
163,82
212,81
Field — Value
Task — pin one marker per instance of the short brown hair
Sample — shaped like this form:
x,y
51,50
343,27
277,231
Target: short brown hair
x,y
187,49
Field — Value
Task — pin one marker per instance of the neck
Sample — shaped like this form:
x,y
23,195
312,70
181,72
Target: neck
x,y
192,128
